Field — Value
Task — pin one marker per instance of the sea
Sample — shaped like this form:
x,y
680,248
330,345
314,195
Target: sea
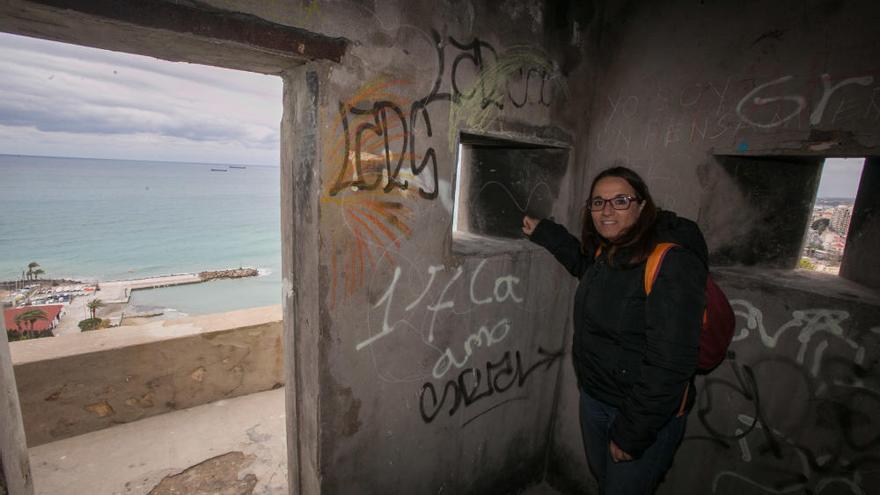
x,y
99,220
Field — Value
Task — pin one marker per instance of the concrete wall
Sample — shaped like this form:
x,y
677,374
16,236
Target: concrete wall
x,y
421,362
73,384
15,470
437,369
794,410
415,363
859,260
684,85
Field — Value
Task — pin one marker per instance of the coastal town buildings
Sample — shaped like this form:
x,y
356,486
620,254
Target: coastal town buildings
x,y
826,235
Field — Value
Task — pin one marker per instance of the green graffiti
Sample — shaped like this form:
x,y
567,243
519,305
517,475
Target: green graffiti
x,y
473,110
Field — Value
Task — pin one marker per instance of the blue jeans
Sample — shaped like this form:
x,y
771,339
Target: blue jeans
x,y
637,477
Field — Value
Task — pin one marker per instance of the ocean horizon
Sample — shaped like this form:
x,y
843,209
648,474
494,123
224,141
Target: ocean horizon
x,y
111,219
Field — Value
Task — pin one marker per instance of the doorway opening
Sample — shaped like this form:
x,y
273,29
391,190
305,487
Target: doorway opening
x,y
235,40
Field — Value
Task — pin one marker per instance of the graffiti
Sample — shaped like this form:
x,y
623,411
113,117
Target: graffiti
x,y
798,100
483,337
504,289
380,129
523,208
376,225
807,324
513,68
384,139
384,144
472,385
821,461
473,52
710,110
818,435
528,91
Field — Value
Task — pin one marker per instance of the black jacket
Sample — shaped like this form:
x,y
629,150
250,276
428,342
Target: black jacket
x,y
630,351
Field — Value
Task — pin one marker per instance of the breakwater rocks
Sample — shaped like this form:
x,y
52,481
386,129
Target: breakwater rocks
x,y
234,273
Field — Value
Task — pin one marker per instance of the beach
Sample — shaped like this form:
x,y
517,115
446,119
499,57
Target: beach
x,y
115,296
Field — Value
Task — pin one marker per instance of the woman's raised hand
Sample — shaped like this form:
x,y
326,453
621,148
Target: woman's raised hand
x,y
529,225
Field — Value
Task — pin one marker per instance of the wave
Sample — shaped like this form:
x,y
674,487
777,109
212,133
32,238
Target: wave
x,y
263,272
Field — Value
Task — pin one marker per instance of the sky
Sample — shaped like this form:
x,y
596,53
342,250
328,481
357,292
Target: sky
x,y
840,177
59,99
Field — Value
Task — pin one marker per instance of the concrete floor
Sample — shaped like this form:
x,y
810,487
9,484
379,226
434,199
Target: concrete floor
x,y
234,446
242,440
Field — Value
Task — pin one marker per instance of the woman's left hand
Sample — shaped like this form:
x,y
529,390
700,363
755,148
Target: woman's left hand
x,y
617,454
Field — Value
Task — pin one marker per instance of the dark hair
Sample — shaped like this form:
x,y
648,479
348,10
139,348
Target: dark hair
x,y
641,237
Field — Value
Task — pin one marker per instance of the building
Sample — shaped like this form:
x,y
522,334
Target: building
x,y
52,313
840,219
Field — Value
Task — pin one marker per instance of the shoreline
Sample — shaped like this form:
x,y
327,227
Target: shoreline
x,y
114,294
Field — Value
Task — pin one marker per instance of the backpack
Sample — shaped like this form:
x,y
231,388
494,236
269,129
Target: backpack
x,y
719,321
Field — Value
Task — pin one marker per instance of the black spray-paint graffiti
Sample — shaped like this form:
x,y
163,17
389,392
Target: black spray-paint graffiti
x,y
800,419
472,386
388,123
829,435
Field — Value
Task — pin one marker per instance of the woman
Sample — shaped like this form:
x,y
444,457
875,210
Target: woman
x,y
634,355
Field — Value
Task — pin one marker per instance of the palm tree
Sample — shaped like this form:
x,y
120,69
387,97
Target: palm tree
x,y
18,321
30,269
93,306
30,317
37,273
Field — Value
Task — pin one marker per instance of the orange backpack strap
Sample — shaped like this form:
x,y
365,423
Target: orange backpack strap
x,y
652,267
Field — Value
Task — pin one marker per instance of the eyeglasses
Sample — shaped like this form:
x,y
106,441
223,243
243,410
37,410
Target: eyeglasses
x,y
617,202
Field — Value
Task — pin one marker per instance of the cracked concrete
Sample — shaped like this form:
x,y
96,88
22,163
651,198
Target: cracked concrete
x,y
231,447
215,476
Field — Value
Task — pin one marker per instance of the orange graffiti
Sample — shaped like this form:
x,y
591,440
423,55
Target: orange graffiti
x,y
373,227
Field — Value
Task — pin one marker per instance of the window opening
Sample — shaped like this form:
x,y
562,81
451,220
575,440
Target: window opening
x,y
829,224
773,197
500,180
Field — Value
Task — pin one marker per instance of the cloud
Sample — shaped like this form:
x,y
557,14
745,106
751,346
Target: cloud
x,y
52,88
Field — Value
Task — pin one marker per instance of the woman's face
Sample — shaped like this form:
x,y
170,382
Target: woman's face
x,y
610,223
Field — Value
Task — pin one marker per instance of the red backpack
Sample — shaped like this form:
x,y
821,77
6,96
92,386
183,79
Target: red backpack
x,y
718,318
